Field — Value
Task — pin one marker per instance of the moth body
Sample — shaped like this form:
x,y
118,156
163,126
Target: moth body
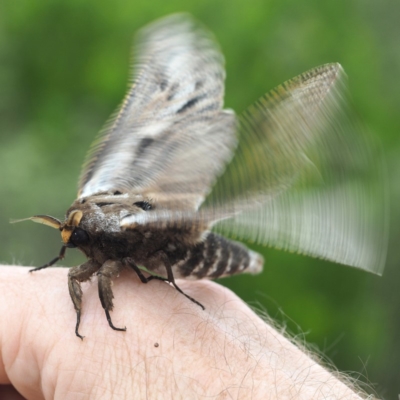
x,y
93,225
191,253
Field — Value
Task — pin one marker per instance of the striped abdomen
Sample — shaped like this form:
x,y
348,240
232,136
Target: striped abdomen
x,y
216,257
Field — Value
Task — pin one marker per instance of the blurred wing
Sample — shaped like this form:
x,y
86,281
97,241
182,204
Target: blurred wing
x,y
276,136
170,136
307,177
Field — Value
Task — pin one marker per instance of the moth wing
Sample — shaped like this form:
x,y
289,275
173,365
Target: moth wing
x,y
307,176
170,128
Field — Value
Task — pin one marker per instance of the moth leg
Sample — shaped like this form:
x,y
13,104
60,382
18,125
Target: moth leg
x,y
161,255
76,275
110,269
53,261
128,261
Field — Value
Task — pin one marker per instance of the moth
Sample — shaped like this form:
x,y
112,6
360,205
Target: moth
x,y
173,170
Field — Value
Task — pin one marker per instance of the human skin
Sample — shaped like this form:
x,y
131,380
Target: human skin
x,y
172,349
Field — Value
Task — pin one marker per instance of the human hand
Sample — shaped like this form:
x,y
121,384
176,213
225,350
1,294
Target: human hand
x,y
171,349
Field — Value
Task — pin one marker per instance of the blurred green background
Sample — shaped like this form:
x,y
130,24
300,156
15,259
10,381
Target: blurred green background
x,y
63,70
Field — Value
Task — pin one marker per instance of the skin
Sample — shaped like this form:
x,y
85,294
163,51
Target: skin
x,y
171,349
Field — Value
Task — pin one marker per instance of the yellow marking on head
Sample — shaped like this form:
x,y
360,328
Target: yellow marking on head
x,y
66,233
74,218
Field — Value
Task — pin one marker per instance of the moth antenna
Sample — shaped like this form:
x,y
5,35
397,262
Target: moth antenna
x,y
41,219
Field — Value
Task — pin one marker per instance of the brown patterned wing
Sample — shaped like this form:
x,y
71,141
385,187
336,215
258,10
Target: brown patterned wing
x,y
170,136
306,177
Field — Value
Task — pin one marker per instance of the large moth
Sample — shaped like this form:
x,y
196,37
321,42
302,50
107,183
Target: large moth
x,y
173,169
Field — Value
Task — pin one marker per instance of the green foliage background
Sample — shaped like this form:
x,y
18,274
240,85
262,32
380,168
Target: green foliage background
x,y
63,70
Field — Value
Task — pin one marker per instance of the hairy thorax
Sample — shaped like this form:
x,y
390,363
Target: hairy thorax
x,y
101,217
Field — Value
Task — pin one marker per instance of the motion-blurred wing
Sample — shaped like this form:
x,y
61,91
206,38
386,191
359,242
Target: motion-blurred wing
x,y
170,136
306,176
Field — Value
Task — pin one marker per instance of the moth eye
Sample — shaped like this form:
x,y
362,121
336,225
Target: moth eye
x,y
144,205
79,237
117,193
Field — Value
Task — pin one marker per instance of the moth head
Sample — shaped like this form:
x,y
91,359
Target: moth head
x,y
72,235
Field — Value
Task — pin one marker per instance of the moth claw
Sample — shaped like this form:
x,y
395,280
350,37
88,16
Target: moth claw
x,y
111,324
118,329
115,328
78,321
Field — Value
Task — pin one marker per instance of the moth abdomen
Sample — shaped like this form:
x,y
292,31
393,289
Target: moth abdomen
x,y
216,257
